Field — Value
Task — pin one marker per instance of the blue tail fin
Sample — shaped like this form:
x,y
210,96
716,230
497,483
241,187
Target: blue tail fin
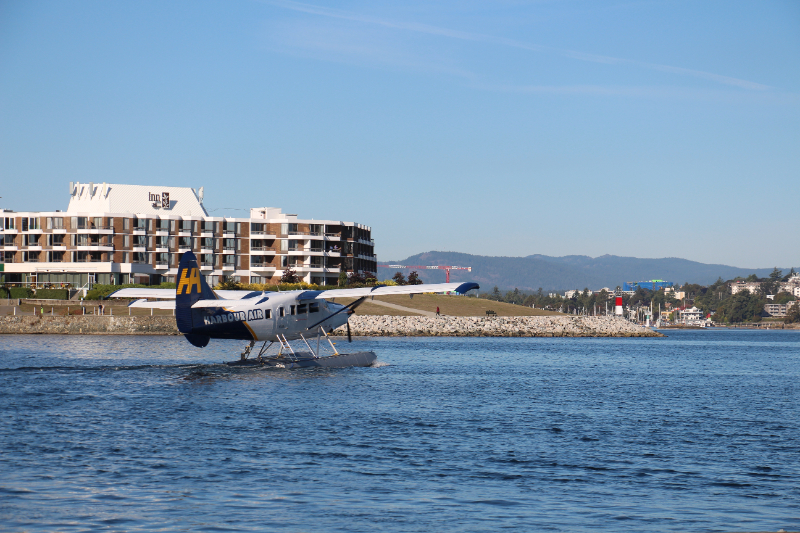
x,y
191,286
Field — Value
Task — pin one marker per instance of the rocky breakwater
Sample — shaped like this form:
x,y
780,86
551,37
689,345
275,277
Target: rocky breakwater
x,y
515,326
89,325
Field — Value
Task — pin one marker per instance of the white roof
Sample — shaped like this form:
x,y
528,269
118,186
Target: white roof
x,y
140,199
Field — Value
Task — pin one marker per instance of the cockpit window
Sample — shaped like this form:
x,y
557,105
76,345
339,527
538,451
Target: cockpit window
x,y
313,308
267,313
301,309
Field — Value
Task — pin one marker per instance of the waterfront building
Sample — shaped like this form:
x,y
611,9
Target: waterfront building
x,y
693,314
115,234
778,310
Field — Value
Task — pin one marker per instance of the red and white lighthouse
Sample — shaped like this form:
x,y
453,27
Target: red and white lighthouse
x,y
618,306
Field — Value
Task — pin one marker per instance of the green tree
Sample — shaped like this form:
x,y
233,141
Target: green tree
x,y
413,278
783,297
342,278
227,283
495,294
742,307
399,278
771,284
793,315
289,276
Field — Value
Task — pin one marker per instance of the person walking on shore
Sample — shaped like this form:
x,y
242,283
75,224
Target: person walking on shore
x,y
437,311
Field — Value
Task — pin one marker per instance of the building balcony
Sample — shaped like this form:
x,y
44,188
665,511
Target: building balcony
x,y
227,266
262,266
162,264
263,235
95,248
207,234
228,251
262,250
332,237
33,247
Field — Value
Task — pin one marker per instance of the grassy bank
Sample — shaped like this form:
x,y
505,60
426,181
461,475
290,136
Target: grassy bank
x,y
448,305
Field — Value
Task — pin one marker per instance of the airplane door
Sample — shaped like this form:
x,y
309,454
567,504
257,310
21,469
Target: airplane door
x,y
282,320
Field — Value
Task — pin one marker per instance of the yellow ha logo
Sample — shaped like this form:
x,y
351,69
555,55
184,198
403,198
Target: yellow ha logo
x,y
189,280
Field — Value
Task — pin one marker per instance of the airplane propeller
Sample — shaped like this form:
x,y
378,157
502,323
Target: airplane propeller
x,y
349,307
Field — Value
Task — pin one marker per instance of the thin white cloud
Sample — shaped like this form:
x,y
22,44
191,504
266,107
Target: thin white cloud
x,y
513,43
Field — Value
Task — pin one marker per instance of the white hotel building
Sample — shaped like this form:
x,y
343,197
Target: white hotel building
x,y
115,234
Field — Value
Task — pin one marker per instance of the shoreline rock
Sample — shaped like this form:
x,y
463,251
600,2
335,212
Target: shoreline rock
x,y
88,325
367,326
514,326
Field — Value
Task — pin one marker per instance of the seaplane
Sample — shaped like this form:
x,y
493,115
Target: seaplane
x,y
288,324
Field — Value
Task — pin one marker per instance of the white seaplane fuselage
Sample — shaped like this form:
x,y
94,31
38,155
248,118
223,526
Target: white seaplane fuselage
x,y
277,314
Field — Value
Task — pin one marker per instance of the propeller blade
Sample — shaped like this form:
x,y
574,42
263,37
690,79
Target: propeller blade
x,y
349,336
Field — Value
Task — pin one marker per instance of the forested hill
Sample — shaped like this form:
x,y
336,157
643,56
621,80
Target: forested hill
x,y
568,272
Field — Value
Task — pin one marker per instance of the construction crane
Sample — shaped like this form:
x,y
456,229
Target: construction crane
x,y
446,269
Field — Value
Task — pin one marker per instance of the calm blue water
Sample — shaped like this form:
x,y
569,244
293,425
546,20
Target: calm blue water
x,y
699,431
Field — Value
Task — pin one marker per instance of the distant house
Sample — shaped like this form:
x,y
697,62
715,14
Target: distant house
x,y
576,292
778,310
692,314
792,286
749,286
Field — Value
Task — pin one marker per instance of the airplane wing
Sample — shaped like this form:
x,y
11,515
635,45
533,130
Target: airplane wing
x,y
389,290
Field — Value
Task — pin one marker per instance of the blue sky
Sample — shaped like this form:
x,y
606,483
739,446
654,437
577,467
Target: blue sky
x,y
640,128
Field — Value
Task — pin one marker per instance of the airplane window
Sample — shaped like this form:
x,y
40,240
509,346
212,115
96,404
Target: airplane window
x,y
281,312
313,308
291,310
301,308
267,313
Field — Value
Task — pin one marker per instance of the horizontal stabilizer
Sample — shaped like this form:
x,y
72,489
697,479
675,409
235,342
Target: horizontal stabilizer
x,y
228,304
153,305
137,292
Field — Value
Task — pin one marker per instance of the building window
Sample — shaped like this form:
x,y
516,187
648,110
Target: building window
x,y
55,223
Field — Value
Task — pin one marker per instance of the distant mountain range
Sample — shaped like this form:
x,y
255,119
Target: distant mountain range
x,y
568,272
